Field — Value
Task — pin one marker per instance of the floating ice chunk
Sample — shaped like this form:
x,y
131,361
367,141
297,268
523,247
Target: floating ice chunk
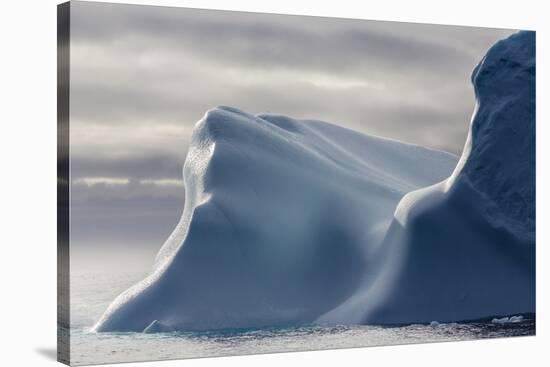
x,y
516,319
502,320
508,320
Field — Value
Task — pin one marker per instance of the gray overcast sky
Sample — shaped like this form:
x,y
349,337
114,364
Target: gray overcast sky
x,y
141,76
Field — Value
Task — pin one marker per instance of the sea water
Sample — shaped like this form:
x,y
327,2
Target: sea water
x,y
92,293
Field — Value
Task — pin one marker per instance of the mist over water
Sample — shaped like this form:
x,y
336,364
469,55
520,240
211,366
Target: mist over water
x,y
93,262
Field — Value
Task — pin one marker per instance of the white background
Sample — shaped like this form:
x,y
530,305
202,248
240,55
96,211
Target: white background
x,y
28,181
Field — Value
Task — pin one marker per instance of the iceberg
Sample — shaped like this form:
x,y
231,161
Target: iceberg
x,y
282,220
292,222
464,248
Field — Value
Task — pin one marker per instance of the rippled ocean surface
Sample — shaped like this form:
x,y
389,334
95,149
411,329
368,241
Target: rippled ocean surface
x,y
92,293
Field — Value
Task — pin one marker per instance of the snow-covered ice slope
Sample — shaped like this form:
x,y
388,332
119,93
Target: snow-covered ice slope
x,y
465,248
283,222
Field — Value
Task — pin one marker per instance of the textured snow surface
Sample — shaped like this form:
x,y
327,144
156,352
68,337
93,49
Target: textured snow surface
x,y
290,222
468,243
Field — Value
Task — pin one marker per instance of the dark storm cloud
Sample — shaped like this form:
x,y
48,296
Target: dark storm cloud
x,y
142,76
344,46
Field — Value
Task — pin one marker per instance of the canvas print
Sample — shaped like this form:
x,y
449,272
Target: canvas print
x,y
234,183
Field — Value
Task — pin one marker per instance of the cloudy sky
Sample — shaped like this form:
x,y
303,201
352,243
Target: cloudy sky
x,y
142,76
